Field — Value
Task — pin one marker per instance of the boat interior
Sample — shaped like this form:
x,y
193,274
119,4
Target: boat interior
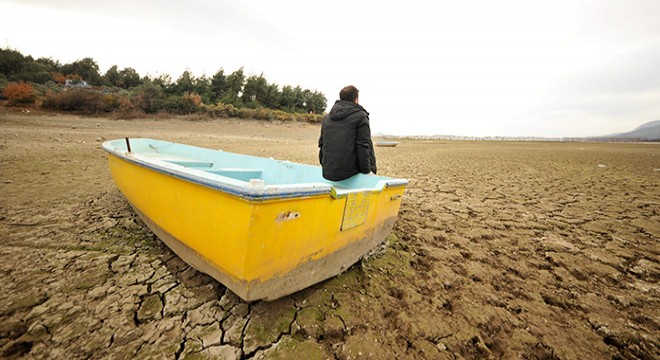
x,y
238,169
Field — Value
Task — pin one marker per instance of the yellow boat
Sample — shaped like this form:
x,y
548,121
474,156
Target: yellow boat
x,y
264,228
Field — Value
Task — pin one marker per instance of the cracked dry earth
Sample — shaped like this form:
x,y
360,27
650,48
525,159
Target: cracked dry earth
x,y
501,250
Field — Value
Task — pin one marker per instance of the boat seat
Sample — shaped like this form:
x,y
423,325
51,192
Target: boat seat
x,y
191,163
243,174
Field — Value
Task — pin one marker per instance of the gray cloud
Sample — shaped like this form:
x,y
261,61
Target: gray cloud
x,y
633,72
197,17
620,92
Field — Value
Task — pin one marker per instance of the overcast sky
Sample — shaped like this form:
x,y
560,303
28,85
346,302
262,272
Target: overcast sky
x,y
475,68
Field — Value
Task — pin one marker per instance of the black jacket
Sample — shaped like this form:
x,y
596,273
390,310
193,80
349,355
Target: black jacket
x,y
345,146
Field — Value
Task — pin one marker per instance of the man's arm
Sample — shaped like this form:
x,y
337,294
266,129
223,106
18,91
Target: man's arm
x,y
321,147
372,156
363,146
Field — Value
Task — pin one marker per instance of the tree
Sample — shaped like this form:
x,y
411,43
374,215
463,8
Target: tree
x,y
16,67
86,68
235,82
184,84
287,99
183,95
202,87
273,97
129,78
40,71
300,105
12,63
255,91
50,64
315,102
219,86
164,82
112,76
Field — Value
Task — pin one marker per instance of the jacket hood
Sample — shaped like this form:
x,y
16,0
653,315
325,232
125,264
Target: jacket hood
x,y
343,109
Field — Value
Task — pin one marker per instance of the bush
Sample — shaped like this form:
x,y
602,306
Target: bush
x,y
283,116
220,110
246,113
41,90
192,98
147,98
312,118
80,100
3,83
20,93
180,105
315,118
264,114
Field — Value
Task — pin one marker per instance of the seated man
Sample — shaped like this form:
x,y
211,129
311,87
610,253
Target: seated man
x,y
345,146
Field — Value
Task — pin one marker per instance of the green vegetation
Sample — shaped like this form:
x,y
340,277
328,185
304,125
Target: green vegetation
x,y
79,87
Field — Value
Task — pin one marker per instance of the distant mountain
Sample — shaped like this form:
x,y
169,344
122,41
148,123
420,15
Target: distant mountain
x,y
649,131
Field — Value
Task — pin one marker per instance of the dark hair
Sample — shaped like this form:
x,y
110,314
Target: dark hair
x,y
349,93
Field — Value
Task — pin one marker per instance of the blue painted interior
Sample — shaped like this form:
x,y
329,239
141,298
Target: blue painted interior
x,y
239,174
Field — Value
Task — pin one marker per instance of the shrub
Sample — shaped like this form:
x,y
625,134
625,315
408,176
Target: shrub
x,y
192,98
41,90
264,114
312,118
282,116
300,117
19,93
3,83
221,110
315,118
246,113
181,105
111,102
124,104
147,98
80,100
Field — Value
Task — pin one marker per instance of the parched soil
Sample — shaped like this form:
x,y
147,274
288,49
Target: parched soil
x,y
523,250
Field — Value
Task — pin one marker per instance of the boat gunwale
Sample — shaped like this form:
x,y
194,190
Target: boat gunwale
x,y
236,187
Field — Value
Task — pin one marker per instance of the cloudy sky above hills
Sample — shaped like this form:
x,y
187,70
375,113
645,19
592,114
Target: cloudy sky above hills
x,y
510,68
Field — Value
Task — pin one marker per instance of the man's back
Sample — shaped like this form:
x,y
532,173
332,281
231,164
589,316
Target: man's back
x,y
345,146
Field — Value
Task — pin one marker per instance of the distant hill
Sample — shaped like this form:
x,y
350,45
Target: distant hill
x,y
649,131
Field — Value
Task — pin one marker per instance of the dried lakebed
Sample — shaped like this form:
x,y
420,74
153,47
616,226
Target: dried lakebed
x,y
513,250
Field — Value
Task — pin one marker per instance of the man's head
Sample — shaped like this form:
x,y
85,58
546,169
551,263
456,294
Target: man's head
x,y
349,93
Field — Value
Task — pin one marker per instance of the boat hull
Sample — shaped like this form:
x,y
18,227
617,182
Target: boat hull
x,y
258,248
